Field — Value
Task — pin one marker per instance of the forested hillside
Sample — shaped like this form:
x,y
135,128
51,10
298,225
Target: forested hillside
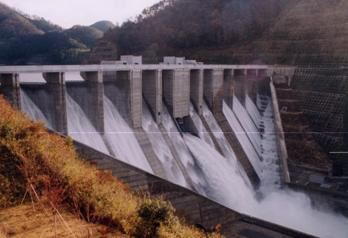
x,y
33,40
239,31
212,31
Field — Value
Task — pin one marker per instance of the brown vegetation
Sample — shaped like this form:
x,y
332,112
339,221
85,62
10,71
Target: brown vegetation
x,y
26,221
38,166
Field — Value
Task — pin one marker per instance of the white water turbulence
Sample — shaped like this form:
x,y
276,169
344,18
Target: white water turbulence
x,y
252,132
283,207
223,143
33,111
202,131
121,139
161,148
81,129
243,139
186,159
225,185
271,171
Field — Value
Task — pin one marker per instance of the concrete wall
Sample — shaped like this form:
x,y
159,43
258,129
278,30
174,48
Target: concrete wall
x,y
251,83
56,87
281,145
239,82
10,88
95,86
194,208
213,89
229,87
152,92
176,91
196,89
129,98
136,98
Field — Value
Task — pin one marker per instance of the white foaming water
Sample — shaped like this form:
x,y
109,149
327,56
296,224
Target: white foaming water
x,y
222,141
202,131
246,122
33,111
121,139
81,129
161,148
225,185
284,207
271,170
243,139
198,179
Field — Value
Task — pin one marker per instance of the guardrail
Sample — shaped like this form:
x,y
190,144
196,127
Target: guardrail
x,y
119,67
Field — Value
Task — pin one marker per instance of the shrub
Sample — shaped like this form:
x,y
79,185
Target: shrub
x,y
48,168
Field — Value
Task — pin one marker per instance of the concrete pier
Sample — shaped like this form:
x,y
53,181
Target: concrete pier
x,y
228,87
56,88
176,91
239,79
95,87
251,84
130,81
152,92
196,89
213,89
136,98
10,88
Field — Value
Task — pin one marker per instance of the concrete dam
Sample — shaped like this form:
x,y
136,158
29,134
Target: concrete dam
x,y
207,138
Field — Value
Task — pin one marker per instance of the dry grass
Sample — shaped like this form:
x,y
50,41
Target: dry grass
x,y
25,222
39,166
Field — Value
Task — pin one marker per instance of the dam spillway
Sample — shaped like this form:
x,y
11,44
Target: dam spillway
x,y
179,123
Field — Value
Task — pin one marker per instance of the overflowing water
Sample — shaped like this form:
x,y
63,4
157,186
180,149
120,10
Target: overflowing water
x,y
271,169
121,139
223,143
81,129
32,110
282,207
252,132
217,176
202,131
161,149
187,160
225,185
243,139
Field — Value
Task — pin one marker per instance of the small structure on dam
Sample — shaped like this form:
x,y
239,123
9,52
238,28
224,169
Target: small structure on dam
x,y
208,138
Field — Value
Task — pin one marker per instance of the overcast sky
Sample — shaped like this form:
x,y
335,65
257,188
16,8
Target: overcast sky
x,y
67,13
